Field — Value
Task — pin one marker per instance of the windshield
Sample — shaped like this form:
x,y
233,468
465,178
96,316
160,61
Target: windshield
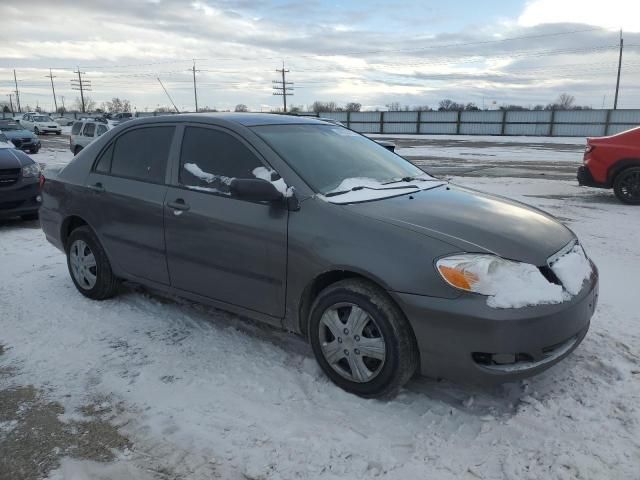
x,y
10,126
332,158
42,118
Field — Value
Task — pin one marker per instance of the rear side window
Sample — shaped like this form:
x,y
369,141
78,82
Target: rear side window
x,y
101,129
89,129
75,130
211,158
104,162
142,154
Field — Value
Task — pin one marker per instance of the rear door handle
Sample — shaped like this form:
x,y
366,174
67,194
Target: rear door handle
x,y
97,187
179,205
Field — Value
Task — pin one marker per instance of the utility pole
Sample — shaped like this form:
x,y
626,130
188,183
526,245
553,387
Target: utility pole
x,y
15,79
282,87
62,98
195,91
82,85
55,102
615,100
11,103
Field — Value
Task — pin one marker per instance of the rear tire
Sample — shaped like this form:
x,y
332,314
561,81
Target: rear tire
x,y
378,355
627,186
89,266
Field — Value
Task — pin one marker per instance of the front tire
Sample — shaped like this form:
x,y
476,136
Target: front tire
x,y
627,186
362,340
89,266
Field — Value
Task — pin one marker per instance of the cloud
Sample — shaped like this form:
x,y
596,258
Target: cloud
x,y
612,14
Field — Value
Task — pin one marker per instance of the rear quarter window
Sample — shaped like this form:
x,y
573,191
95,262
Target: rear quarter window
x,y
89,130
75,130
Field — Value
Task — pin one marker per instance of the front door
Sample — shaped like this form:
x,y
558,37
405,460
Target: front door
x,y
218,246
127,201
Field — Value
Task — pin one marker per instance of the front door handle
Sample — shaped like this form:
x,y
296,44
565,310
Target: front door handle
x,y
97,187
179,205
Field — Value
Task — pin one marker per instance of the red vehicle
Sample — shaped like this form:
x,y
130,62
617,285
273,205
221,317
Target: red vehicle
x,y
614,162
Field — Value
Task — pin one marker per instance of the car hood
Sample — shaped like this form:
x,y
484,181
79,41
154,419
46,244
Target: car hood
x,y
10,134
12,158
474,222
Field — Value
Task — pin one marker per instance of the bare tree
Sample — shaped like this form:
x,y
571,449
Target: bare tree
x,y
353,107
394,106
565,101
116,105
319,107
449,105
89,104
241,107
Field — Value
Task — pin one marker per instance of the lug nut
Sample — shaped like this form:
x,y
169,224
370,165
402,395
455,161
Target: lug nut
x,y
357,338
346,352
356,351
346,331
339,340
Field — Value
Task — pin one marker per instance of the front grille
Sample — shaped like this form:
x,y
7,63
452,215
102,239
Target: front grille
x,y
9,176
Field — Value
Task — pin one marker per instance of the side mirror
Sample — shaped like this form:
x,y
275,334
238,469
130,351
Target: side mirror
x,y
255,189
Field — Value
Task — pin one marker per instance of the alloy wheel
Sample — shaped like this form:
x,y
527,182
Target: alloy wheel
x,y
83,264
629,186
351,342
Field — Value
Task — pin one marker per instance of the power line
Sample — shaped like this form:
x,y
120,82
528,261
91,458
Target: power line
x,y
282,87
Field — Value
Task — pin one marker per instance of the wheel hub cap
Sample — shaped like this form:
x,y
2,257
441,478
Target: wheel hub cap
x,y
83,264
351,342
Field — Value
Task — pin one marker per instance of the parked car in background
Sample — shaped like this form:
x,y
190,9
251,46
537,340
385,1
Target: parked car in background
x,y
64,121
20,183
20,137
39,123
118,118
614,162
83,132
319,230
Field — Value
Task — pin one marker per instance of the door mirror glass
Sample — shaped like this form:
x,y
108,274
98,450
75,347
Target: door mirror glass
x,y
254,189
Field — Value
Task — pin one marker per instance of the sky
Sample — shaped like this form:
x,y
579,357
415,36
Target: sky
x,y
372,52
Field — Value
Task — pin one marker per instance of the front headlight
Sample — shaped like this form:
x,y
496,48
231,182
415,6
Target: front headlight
x,y
508,284
32,170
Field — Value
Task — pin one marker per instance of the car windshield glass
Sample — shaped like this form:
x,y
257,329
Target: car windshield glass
x,y
42,118
332,159
10,126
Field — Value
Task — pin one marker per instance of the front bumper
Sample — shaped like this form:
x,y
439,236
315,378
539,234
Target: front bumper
x,y
467,341
27,144
586,179
49,129
22,198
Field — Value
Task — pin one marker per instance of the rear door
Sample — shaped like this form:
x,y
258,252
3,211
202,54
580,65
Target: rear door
x,y
129,187
218,246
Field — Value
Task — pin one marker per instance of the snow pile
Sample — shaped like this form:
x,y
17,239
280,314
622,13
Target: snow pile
x,y
572,269
207,177
268,174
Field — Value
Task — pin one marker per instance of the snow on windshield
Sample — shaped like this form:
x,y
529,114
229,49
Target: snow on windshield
x,y
268,174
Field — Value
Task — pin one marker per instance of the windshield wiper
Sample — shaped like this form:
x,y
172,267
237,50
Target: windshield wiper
x,y
361,187
409,179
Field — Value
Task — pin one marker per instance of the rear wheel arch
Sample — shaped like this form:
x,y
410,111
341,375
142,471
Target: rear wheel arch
x,y
619,167
69,224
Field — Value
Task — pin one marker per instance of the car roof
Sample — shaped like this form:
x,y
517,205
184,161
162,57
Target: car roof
x,y
246,119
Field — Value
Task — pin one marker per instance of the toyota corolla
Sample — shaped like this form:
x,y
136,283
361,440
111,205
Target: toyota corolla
x,y
313,228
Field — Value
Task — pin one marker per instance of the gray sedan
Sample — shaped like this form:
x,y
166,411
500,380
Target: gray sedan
x,y
315,229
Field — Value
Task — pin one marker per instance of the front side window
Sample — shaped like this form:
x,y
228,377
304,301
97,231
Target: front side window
x,y
142,154
332,158
210,159
75,130
89,129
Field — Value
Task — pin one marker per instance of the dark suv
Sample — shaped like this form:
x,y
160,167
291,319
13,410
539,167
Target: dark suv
x,y
20,183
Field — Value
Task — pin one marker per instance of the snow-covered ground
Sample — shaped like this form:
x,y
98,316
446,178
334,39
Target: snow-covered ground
x,y
202,394
485,138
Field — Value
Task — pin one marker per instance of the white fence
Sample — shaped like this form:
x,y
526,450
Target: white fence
x,y
554,123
